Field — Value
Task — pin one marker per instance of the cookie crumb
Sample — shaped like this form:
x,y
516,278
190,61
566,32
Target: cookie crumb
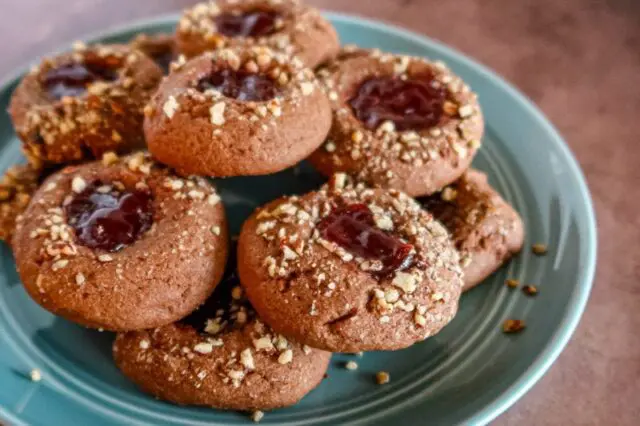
x,y
256,416
382,377
35,375
512,283
513,326
539,249
351,365
530,290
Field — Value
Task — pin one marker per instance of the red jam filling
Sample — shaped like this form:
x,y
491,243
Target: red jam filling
x,y
72,79
353,228
250,24
240,85
412,104
109,220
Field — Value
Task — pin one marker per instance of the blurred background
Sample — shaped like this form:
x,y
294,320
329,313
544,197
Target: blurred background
x,y
579,60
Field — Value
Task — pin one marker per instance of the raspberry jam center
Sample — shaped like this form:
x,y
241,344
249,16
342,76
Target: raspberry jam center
x,y
353,228
412,104
72,79
240,85
108,219
250,24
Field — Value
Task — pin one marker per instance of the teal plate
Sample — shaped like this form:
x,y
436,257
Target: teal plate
x,y
469,373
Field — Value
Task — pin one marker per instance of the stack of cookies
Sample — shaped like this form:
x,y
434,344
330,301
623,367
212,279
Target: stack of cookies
x,y
136,242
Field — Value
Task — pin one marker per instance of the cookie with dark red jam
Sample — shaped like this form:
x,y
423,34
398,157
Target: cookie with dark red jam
x,y
121,244
159,47
348,268
237,112
486,230
81,104
285,25
221,356
399,122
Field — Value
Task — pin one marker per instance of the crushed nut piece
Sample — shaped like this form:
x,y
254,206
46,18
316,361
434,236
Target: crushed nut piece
x,y
513,326
351,365
285,357
35,375
512,283
382,377
539,249
256,416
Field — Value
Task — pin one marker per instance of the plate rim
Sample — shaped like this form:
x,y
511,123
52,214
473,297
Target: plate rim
x,y
579,298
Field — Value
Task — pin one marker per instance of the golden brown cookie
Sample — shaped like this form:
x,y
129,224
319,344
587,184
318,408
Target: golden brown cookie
x,y
81,104
237,112
285,25
350,269
159,47
485,228
221,356
121,244
399,122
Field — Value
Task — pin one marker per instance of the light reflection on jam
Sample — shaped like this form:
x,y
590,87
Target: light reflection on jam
x,y
109,220
72,79
249,24
240,85
353,228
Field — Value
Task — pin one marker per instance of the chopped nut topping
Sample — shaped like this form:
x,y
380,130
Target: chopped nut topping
x,y
539,249
285,357
203,348
512,283
78,184
170,107
382,377
351,365
144,344
35,375
80,279
217,114
256,416
513,326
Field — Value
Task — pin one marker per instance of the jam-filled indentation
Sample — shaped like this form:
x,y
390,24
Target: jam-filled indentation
x,y
73,78
109,219
353,228
240,85
412,104
256,23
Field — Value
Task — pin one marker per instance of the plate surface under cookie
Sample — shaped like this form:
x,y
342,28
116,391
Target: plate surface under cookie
x,y
469,373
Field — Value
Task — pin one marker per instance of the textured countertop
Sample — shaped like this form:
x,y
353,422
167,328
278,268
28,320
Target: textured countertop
x,y
579,61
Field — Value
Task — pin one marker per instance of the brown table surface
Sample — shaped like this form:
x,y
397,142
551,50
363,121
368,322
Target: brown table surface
x,y
579,60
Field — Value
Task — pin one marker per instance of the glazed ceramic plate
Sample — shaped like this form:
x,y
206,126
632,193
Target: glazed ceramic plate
x,y
469,373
